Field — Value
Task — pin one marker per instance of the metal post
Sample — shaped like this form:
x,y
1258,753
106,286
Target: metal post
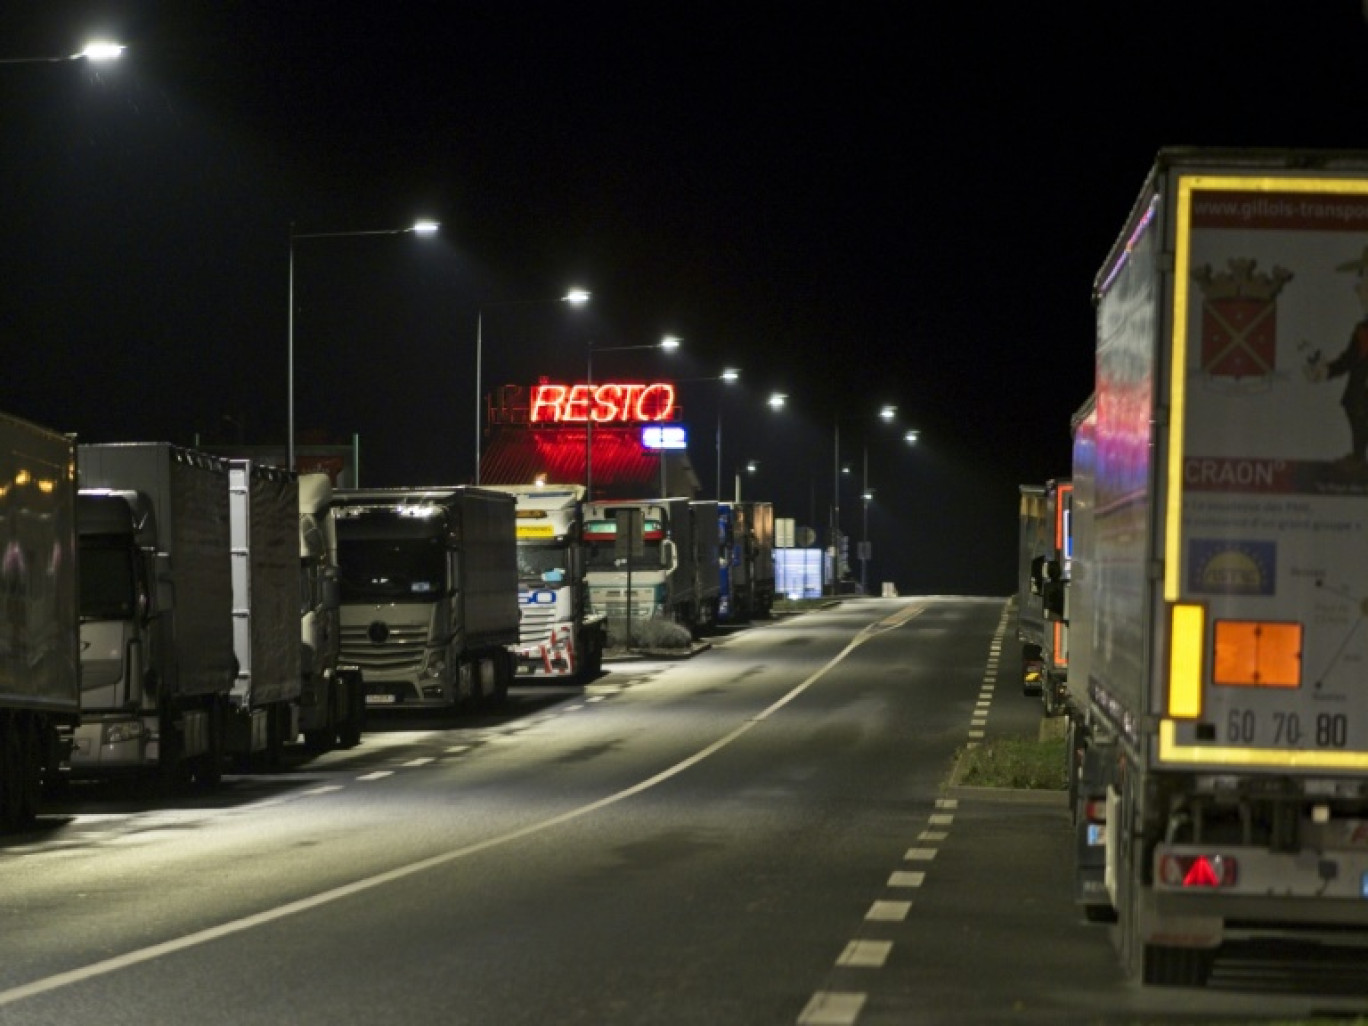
x,y
864,540
479,356
289,364
836,504
589,425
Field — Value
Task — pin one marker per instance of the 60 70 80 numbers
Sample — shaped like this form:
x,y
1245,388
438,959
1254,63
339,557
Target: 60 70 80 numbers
x,y
1290,730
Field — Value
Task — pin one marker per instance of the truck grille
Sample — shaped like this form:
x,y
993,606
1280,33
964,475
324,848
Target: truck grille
x,y
534,628
400,653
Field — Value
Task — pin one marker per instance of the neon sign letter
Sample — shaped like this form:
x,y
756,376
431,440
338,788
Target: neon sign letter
x,y
610,403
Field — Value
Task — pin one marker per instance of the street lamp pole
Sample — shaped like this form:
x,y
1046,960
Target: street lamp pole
x,y
575,297
668,343
418,228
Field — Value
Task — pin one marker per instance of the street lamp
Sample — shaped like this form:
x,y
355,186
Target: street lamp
x,y
417,228
96,51
910,436
887,413
669,343
575,297
728,376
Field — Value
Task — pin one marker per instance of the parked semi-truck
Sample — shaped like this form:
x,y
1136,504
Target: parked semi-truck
x,y
429,593
755,596
39,645
746,534
1220,575
1049,586
1030,616
641,560
332,698
156,603
559,634
707,562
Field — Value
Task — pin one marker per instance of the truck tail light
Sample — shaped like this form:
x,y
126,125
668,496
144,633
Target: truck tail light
x,y
1095,810
1197,872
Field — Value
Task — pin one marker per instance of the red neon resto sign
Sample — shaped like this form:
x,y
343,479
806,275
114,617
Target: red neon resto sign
x,y
609,403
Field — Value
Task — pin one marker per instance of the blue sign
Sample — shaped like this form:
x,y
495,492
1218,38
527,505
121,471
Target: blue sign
x,y
665,436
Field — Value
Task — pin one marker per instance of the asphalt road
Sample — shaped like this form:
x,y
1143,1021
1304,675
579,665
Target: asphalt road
x,y
759,834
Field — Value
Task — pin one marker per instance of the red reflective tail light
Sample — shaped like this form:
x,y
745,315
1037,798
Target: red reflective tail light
x,y
1197,871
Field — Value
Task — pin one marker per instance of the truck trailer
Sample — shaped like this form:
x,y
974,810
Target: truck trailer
x,y
1221,562
263,511
559,635
156,599
429,593
39,648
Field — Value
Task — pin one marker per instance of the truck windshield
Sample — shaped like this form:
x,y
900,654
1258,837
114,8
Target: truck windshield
x,y
109,584
386,569
603,556
542,563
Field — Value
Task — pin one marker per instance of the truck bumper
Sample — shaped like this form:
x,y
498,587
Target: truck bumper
x,y
102,746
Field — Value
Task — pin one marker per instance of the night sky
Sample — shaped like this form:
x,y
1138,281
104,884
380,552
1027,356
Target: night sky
x,y
853,204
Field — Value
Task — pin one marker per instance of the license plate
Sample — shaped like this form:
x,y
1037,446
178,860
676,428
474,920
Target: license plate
x,y
379,699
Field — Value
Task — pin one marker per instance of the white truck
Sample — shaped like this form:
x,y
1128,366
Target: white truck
x,y
429,593
332,697
647,573
1220,578
39,643
559,635
156,620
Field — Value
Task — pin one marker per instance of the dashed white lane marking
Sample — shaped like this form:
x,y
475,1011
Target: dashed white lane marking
x,y
920,854
933,835
888,911
377,775
832,1008
573,708
976,734
947,803
906,878
155,951
865,954
417,762
596,698
458,749
940,819
323,789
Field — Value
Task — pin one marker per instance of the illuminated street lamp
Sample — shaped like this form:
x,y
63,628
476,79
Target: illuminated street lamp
x,y
575,297
728,376
910,436
669,343
417,228
97,51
